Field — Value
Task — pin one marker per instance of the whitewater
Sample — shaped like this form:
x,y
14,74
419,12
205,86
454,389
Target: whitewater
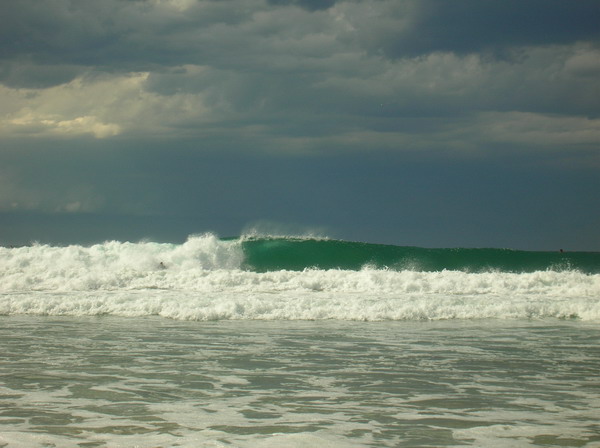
x,y
208,278
278,341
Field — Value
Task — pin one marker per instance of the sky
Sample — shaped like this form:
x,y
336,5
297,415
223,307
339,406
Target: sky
x,y
463,123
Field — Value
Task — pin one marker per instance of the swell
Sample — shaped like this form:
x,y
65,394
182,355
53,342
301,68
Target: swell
x,y
272,254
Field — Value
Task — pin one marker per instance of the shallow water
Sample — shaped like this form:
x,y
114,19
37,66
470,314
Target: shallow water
x,y
149,381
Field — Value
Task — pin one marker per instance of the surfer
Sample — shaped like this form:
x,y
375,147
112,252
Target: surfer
x,y
161,265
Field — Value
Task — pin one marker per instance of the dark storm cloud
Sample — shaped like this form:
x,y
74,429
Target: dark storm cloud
x,y
272,57
490,26
25,73
286,64
130,35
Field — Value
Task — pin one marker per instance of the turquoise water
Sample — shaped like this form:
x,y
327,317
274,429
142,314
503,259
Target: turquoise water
x,y
150,382
269,254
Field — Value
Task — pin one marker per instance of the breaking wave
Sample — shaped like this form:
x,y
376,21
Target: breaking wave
x,y
208,278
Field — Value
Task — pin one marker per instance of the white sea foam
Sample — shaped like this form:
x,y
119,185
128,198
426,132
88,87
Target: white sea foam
x,y
144,382
203,279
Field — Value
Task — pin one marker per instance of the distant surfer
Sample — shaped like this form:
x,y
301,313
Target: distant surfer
x,y
161,265
561,251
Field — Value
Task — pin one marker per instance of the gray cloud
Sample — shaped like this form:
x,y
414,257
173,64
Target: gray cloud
x,y
471,26
253,55
143,35
311,5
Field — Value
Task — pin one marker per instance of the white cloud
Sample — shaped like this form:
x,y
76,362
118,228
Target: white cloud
x,y
102,107
77,126
540,130
76,108
86,124
179,5
585,62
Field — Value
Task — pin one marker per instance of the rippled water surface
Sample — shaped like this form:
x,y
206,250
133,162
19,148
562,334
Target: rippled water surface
x,y
148,382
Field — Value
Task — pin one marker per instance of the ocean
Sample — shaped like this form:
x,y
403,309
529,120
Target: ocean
x,y
274,341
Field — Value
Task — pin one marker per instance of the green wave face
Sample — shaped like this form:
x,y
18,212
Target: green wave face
x,y
271,254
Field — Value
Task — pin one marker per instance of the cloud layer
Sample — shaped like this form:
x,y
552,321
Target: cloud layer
x,y
113,67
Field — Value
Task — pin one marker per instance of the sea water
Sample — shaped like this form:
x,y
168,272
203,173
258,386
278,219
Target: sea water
x,y
237,343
